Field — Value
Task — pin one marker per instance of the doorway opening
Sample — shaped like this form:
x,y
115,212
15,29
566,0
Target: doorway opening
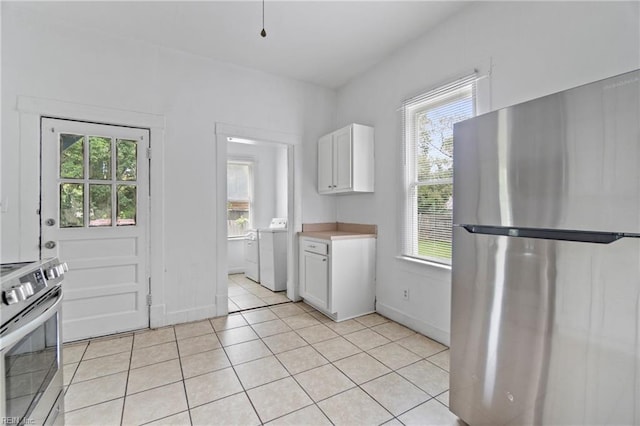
x,y
257,222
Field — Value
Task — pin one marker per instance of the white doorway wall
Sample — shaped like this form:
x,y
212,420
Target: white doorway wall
x,y
293,202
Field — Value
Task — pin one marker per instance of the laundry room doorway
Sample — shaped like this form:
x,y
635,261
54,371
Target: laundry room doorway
x,y
259,219
257,210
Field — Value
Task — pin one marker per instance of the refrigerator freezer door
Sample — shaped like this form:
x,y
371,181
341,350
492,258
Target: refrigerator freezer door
x,y
564,161
545,332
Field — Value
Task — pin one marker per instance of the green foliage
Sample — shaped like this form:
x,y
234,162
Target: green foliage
x,y
127,202
100,168
99,158
71,205
435,163
241,221
127,160
71,156
432,248
434,198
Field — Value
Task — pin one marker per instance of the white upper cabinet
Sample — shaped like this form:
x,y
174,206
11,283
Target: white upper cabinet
x,y
345,160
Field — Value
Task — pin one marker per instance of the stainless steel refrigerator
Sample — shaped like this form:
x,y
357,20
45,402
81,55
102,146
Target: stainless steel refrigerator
x,y
545,326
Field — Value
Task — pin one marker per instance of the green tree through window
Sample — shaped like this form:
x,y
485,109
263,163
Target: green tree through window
x,y
428,122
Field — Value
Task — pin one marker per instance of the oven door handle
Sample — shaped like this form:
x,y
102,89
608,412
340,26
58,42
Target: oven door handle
x,y
12,338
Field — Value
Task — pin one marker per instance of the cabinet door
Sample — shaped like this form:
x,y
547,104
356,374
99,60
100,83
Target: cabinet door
x,y
342,161
325,164
316,279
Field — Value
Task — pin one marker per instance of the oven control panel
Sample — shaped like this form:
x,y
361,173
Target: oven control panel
x,y
33,282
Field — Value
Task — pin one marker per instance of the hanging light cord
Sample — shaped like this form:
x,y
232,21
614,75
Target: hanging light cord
x,y
263,33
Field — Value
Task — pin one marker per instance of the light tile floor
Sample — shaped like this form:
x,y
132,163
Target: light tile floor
x,y
282,365
247,294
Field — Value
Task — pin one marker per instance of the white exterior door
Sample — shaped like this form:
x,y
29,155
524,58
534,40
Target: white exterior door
x,y
95,216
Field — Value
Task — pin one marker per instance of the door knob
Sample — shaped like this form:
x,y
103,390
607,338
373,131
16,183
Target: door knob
x,y
50,222
50,244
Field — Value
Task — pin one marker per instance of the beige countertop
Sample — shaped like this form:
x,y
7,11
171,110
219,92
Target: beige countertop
x,y
335,235
338,231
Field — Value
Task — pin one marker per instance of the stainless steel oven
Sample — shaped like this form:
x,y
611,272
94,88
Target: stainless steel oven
x,y
31,344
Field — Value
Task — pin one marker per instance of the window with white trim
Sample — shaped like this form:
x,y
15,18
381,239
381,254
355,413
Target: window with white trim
x,y
239,197
428,168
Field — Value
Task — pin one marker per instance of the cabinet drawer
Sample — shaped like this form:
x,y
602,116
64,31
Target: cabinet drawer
x,y
315,247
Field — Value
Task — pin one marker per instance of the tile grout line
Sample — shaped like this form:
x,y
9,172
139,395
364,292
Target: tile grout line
x,y
392,370
281,318
356,385
77,367
184,381
282,378
406,411
126,385
244,390
313,402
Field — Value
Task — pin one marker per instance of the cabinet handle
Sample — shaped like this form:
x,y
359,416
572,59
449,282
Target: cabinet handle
x,y
324,260
329,186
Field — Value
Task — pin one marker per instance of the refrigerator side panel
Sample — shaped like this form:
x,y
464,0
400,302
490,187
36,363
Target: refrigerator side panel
x,y
544,331
565,161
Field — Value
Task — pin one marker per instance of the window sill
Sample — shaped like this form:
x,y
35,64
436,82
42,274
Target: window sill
x,y
414,261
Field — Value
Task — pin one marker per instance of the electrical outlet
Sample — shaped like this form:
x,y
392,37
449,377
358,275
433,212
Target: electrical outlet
x,y
405,294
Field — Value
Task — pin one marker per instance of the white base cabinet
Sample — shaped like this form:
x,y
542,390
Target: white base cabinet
x,y
337,277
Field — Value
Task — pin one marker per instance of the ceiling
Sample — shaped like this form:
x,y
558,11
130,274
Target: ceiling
x,y
322,42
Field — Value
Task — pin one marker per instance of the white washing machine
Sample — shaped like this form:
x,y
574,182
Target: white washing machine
x,y
252,255
273,255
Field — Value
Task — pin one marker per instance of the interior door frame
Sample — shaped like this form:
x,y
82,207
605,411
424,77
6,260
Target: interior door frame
x,y
294,204
31,110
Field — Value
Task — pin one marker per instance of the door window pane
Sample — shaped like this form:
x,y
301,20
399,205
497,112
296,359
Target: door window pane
x,y
99,205
127,200
71,156
71,205
238,181
127,159
239,185
99,158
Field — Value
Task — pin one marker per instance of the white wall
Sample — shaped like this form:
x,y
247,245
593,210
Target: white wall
x,y
536,49
282,173
46,59
270,190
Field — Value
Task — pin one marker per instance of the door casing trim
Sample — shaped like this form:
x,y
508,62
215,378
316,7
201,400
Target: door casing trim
x,y
30,111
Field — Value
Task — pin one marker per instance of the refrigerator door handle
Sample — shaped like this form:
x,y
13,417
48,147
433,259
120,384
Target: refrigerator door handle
x,y
551,234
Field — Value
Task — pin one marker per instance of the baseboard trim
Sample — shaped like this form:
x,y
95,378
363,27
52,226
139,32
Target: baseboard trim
x,y
238,270
190,315
414,323
157,316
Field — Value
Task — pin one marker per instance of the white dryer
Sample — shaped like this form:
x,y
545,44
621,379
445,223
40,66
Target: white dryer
x,y
273,255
